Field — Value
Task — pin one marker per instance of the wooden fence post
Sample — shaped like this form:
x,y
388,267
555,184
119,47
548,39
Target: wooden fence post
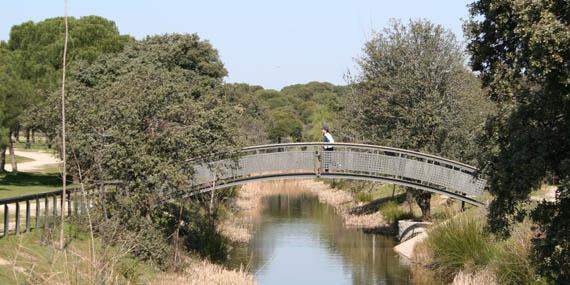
x,y
6,219
27,216
17,218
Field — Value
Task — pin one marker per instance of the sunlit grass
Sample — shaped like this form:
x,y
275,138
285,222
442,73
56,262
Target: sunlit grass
x,y
22,183
34,258
460,243
392,212
21,159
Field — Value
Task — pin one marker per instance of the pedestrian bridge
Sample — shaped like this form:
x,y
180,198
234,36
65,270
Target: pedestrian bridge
x,y
345,161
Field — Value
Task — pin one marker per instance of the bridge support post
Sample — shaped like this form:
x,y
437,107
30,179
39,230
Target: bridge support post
x,y
317,162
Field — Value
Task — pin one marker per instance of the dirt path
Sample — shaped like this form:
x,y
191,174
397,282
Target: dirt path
x,y
39,161
547,192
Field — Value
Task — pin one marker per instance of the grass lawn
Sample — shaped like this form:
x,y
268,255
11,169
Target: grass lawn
x,y
35,147
21,159
23,183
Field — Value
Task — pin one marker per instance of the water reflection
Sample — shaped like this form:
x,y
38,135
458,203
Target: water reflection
x,y
298,240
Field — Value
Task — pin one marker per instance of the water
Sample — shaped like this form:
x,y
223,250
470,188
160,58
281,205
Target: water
x,y
298,240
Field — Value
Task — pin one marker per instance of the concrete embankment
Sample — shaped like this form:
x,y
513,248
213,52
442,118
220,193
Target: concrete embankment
x,y
410,233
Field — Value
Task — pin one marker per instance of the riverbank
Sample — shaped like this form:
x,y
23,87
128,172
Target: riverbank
x,y
238,227
35,258
205,272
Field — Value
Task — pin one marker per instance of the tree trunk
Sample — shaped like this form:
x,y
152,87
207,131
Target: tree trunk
x,y
33,135
423,198
28,142
17,133
48,140
410,198
13,155
3,158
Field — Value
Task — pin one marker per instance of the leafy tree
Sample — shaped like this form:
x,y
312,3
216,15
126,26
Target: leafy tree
x,y
283,124
264,111
410,92
250,110
37,56
522,51
139,117
14,98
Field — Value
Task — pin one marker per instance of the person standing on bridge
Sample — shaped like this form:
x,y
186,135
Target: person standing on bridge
x,y
327,155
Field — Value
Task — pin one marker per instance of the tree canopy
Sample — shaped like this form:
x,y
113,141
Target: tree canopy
x,y
36,52
140,117
414,92
522,51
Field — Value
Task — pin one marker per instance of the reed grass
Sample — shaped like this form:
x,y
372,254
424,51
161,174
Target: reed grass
x,y
392,212
460,243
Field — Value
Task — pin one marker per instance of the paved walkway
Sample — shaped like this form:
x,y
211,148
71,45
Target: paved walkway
x,y
39,161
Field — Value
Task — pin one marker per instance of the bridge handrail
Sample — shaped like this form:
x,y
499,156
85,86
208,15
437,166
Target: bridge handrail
x,y
384,148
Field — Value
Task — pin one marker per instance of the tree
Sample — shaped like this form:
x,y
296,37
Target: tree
x,y
14,98
250,111
410,92
283,124
36,52
522,51
140,117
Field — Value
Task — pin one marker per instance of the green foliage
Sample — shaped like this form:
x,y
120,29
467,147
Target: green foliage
x,y
521,49
284,125
363,197
552,246
413,92
15,94
40,44
36,51
295,113
458,244
139,117
195,229
392,212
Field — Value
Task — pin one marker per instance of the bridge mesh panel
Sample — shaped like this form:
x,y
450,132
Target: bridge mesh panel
x,y
391,164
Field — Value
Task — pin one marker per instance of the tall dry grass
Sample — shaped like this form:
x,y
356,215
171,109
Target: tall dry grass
x,y
204,272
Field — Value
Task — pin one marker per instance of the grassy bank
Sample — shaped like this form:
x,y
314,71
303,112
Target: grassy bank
x,y
461,251
35,258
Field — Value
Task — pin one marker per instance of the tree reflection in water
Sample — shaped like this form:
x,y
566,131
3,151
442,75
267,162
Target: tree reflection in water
x,y
298,240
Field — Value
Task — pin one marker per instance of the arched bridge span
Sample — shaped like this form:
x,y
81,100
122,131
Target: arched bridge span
x,y
344,161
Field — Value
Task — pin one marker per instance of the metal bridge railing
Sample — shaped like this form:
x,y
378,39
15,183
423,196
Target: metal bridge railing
x,y
344,161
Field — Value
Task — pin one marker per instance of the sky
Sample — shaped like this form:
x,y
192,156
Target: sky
x,y
272,43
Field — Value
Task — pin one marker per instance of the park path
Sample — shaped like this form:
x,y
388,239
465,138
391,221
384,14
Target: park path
x,y
39,161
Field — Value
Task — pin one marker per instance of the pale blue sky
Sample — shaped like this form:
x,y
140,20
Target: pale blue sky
x,y
268,43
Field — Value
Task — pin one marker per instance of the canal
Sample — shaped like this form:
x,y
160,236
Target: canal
x,y
298,240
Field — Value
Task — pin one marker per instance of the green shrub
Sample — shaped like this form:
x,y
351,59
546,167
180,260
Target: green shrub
x,y
128,267
458,244
363,197
392,212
